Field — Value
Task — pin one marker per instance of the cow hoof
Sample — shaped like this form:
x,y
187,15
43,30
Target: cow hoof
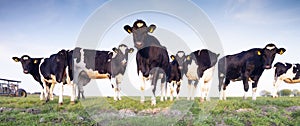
x,y
61,104
188,99
201,99
161,99
142,101
119,98
115,99
192,99
72,102
153,103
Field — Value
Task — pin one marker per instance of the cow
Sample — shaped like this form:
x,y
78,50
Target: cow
x,y
152,58
48,72
246,66
285,72
174,78
198,66
94,64
180,58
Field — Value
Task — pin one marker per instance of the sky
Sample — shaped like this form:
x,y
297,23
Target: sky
x,y
40,28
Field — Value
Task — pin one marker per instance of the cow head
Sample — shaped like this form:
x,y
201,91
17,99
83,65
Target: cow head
x,y
296,70
120,54
140,33
62,57
268,54
180,57
28,63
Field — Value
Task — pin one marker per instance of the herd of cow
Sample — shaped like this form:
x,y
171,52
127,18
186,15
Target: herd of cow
x,y
77,67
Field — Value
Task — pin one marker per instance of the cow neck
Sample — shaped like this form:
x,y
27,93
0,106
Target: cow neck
x,y
36,73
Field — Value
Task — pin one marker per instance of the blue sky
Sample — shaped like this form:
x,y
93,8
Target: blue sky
x,y
41,28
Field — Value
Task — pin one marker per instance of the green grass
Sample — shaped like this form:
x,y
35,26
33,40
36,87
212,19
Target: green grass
x,y
106,111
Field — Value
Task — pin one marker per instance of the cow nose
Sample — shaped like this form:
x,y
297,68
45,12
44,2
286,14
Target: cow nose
x,y
25,71
267,66
138,44
124,62
180,67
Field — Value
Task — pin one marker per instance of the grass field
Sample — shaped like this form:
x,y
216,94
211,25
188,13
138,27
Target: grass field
x,y
128,111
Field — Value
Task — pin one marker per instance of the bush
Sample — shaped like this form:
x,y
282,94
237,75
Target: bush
x,y
285,92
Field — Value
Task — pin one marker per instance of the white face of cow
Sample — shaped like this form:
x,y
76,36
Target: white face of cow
x,y
270,47
120,54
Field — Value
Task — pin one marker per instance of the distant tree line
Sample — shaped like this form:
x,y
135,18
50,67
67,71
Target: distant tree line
x,y
283,92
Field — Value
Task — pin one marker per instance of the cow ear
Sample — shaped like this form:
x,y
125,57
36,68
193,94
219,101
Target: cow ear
x,y
128,29
172,57
16,59
130,50
188,57
281,51
151,28
258,52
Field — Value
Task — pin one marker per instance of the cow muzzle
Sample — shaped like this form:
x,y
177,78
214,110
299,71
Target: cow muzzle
x,y
25,71
267,66
124,62
180,67
138,44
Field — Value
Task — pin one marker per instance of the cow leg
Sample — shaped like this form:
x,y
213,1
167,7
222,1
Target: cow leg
x,y
164,82
163,88
205,90
194,89
223,88
72,92
153,86
42,95
51,91
189,89
178,89
202,89
83,79
171,86
162,92
61,92
46,88
118,81
246,86
142,86
221,85
276,84
254,88
113,82
80,91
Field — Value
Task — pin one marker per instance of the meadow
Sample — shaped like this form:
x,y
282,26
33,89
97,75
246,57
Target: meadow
x,y
129,111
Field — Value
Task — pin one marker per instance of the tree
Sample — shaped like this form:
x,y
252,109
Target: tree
x,y
265,93
285,92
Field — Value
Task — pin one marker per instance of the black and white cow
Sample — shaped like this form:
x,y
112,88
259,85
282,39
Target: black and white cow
x,y
246,66
93,64
174,78
152,58
285,72
48,72
199,67
180,57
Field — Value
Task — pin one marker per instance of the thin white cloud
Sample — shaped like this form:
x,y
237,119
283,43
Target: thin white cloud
x,y
260,12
